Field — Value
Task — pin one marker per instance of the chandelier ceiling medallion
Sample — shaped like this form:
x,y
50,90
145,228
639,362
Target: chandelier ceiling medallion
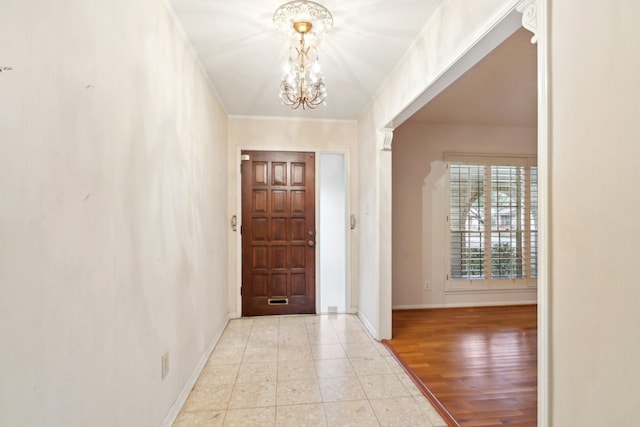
x,y
303,83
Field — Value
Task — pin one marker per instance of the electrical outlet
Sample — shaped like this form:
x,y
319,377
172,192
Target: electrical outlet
x,y
164,363
427,285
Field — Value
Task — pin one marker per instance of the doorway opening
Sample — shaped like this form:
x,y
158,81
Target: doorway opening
x,y
541,128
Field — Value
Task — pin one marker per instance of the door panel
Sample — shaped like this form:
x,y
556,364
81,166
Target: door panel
x,y
278,233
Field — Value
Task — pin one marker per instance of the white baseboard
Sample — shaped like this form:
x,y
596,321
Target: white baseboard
x,y
171,416
368,325
460,305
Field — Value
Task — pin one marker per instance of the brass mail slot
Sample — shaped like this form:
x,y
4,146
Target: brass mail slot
x,y
278,301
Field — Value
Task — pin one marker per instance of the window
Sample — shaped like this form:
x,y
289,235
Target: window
x,y
492,222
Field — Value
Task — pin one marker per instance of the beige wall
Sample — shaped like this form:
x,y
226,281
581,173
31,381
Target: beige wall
x,y
287,134
420,207
595,202
113,237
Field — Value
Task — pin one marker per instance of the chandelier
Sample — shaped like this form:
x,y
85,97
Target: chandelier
x,y
303,82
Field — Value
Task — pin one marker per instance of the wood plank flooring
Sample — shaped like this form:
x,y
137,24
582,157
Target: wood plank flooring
x,y
480,363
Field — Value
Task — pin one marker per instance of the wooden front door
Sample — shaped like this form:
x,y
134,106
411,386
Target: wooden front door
x,y
278,233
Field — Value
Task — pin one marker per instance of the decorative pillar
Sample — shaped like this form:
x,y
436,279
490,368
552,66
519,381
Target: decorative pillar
x,y
384,230
387,139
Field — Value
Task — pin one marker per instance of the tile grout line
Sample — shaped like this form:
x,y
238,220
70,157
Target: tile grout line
x,y
341,335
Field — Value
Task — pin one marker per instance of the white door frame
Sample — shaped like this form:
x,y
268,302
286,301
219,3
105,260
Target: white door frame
x,y
347,177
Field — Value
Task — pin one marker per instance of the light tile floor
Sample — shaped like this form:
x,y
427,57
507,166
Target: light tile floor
x,y
323,370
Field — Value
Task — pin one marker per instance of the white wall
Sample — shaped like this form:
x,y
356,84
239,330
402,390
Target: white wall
x,y
111,222
420,207
289,134
595,255
369,226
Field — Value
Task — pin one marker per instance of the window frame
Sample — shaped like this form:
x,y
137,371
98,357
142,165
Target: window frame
x,y
488,284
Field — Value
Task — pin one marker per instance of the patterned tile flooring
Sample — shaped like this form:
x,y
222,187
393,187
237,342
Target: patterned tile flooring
x,y
322,370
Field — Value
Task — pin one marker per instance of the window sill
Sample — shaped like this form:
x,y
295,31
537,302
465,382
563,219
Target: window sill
x,y
494,286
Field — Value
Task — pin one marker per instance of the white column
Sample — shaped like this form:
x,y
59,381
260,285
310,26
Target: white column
x,y
385,212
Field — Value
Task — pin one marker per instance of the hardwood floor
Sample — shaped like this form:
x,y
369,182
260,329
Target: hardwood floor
x,y
480,363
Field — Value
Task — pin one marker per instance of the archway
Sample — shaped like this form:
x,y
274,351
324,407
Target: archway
x,y
533,16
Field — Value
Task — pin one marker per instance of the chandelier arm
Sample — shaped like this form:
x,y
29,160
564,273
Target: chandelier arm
x,y
288,99
315,101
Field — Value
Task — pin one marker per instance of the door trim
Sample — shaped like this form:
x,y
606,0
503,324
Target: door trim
x,y
238,212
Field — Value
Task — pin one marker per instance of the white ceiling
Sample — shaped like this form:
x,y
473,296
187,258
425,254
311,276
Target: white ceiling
x,y
244,55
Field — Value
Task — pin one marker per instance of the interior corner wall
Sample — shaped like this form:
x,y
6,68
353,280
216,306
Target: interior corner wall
x,y
420,209
594,268
287,134
113,248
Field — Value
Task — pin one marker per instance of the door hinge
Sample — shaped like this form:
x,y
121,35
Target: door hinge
x,y
240,228
240,290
